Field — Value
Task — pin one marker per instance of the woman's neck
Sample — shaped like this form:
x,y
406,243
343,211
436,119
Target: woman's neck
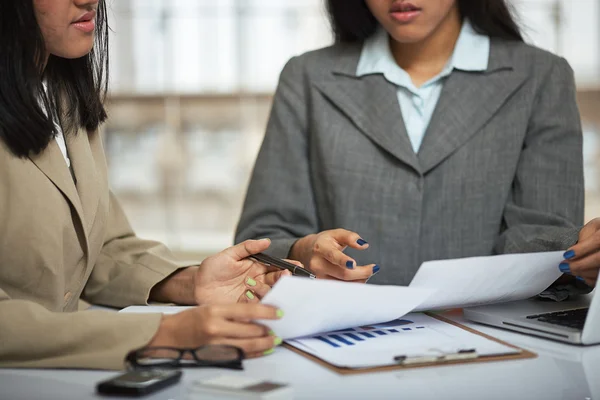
x,y
426,59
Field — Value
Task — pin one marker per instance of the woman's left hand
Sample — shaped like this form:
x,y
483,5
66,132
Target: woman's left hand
x,y
583,259
230,276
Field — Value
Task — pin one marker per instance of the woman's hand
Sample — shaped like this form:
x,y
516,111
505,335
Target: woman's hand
x,y
323,254
230,276
224,324
583,259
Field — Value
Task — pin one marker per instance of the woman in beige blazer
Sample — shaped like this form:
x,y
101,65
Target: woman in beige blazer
x,y
63,235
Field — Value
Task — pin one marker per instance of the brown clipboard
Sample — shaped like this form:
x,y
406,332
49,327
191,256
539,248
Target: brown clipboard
x,y
522,355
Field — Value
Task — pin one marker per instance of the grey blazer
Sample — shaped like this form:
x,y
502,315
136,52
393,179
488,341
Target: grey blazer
x,y
500,168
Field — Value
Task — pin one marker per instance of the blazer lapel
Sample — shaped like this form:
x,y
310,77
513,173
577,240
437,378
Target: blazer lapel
x,y
88,182
52,163
467,102
371,103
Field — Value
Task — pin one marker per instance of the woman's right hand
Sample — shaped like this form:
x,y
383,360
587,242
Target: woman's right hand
x,y
220,324
324,254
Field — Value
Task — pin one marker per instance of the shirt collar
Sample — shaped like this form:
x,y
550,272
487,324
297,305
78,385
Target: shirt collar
x,y
471,53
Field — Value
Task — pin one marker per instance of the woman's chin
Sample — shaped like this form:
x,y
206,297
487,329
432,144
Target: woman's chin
x,y
73,52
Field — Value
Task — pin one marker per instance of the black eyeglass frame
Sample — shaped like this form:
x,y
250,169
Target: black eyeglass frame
x,y
132,358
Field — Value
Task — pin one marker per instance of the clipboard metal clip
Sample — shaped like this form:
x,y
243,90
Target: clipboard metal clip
x,y
436,357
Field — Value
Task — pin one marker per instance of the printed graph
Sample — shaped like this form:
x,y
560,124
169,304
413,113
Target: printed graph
x,y
354,336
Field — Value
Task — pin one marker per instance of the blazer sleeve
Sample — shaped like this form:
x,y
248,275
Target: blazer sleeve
x,y
546,208
280,201
33,337
128,267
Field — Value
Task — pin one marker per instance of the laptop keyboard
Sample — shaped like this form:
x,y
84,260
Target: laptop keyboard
x,y
571,318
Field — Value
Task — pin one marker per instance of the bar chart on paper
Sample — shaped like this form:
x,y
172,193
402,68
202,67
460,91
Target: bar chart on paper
x,y
378,344
353,336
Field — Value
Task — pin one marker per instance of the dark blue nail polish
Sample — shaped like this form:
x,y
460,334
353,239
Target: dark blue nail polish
x,y
580,279
376,269
349,264
361,242
569,254
564,268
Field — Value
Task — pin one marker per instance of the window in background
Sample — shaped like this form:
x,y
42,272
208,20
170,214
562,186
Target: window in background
x,y
192,84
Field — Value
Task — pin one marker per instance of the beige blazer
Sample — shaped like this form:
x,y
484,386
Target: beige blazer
x,y
61,240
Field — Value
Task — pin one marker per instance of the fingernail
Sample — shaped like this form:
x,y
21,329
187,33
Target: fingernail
x,y
279,313
569,254
278,341
564,268
251,282
361,242
271,333
250,295
350,264
270,351
580,279
376,269
263,240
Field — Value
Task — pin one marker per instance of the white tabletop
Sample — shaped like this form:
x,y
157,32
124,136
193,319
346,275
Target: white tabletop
x,y
560,371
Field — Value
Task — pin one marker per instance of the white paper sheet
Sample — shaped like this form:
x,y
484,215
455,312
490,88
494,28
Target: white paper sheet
x,y
377,345
482,280
313,306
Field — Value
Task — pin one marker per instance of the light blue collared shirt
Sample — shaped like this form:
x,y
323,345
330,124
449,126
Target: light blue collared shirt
x,y
471,53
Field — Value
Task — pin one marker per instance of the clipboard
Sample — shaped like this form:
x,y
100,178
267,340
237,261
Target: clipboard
x,y
464,357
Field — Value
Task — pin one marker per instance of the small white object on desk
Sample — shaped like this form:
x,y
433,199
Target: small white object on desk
x,y
155,309
239,387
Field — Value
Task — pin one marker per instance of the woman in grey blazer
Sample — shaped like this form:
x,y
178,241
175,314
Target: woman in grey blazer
x,y
429,128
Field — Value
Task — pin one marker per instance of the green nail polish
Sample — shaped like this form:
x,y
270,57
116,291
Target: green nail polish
x,y
271,333
250,295
280,313
251,282
270,351
278,341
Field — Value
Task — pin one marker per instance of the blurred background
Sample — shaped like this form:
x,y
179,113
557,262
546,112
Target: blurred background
x,y
191,89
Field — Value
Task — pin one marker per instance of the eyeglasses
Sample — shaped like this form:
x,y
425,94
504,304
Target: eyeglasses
x,y
214,356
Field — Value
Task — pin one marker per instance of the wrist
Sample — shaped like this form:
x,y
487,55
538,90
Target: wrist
x,y
177,288
302,249
164,334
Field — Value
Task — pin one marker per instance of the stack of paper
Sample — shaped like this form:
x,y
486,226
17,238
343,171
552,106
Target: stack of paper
x,y
315,306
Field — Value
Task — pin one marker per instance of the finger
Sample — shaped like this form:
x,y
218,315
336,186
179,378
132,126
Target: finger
x,y
271,278
582,265
248,297
258,288
242,330
348,238
247,311
344,274
330,250
247,248
251,346
584,247
589,229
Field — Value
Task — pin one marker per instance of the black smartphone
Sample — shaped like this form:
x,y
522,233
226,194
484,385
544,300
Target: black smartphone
x,y
138,383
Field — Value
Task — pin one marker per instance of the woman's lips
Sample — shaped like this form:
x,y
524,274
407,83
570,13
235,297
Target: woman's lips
x,y
86,23
404,12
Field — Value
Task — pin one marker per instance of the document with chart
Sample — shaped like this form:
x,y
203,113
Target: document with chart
x,y
414,335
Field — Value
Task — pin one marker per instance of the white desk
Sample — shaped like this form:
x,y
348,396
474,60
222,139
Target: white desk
x,y
560,371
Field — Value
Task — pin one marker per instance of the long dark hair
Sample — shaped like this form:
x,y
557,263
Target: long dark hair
x,y
352,21
75,88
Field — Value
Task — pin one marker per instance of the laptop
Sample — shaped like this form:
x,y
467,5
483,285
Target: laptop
x,y
575,321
